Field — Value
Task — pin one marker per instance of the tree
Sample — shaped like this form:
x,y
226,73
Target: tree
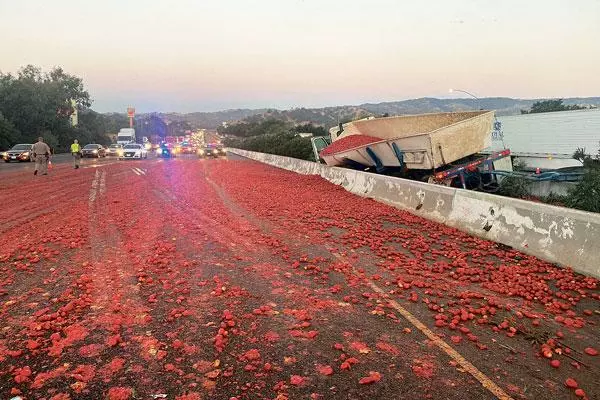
x,y
93,127
8,133
252,128
310,128
150,125
550,106
287,144
35,102
586,195
271,136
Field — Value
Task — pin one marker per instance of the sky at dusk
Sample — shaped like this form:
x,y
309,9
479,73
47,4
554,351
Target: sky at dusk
x,y
194,55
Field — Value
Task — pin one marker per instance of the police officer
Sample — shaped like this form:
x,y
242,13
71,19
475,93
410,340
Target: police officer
x,y
41,153
76,152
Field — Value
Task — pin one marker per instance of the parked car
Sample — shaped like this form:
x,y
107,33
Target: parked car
x,y
115,150
19,152
134,150
93,150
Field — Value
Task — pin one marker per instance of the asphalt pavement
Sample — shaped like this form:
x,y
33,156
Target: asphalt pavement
x,y
56,159
191,279
66,158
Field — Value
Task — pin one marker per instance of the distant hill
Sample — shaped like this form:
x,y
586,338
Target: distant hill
x,y
330,116
210,120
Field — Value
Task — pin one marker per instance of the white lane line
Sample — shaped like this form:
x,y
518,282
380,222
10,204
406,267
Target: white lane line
x,y
97,165
485,381
94,187
102,185
138,171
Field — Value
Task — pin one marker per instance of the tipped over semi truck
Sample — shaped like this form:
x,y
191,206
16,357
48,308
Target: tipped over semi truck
x,y
442,148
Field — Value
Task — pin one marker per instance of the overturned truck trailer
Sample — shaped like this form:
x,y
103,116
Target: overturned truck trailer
x,y
440,147
427,141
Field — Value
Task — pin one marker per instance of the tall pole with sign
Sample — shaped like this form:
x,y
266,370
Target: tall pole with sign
x,y
130,115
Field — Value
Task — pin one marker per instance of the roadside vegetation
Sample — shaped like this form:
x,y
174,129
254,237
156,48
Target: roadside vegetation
x,y
272,136
584,196
36,103
551,106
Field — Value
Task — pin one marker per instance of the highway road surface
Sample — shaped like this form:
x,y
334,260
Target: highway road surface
x,y
57,159
228,279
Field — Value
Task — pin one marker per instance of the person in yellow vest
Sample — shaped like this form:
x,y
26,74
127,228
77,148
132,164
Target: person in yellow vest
x,y
76,153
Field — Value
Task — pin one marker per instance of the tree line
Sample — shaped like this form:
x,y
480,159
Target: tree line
x,y
35,103
551,106
272,136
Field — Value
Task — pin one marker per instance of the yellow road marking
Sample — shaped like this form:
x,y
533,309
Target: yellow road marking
x,y
445,347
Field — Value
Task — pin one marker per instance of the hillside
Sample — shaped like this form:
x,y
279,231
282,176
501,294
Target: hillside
x,y
211,120
329,116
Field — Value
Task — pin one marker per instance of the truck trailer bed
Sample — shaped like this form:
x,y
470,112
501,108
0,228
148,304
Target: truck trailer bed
x,y
425,141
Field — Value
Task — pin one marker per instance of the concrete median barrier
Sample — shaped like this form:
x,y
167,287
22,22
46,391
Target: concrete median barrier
x,y
564,236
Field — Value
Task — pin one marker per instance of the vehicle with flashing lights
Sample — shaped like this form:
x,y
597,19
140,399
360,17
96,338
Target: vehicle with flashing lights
x,y
133,151
93,150
440,148
126,136
19,152
187,148
165,150
212,151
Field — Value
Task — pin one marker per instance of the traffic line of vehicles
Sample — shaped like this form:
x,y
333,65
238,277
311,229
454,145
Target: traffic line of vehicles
x,y
126,151
126,148
23,152
167,150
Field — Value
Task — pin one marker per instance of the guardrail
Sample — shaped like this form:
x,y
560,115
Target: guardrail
x,y
565,236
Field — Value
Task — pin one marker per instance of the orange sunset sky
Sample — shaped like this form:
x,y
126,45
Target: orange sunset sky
x,y
210,55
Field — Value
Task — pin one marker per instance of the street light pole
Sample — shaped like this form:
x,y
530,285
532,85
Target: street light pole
x,y
469,93
497,124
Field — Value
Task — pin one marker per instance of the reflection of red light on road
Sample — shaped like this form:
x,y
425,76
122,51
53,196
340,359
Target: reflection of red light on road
x,y
162,274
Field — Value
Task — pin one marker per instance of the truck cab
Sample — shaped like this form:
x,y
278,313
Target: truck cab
x,y
318,144
126,136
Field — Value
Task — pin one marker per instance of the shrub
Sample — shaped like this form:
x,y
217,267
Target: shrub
x,y
586,195
514,186
286,144
555,199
